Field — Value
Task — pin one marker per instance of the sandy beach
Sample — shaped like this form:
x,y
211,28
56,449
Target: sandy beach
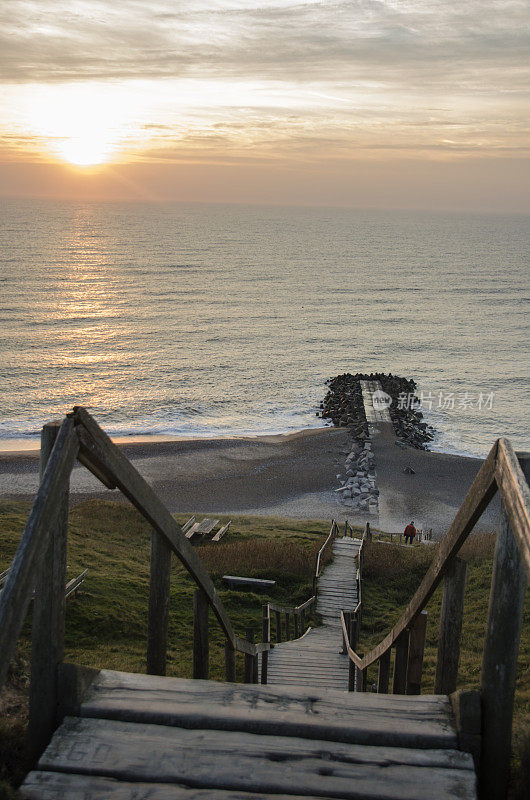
x,y
292,475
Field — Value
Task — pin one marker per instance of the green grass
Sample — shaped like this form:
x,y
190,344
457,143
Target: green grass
x,y
391,576
106,624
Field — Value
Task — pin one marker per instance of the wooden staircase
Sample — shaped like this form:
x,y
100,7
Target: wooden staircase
x,y
302,735
318,659
140,737
312,732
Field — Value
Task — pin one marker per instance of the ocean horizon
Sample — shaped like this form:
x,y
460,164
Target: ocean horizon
x,y
203,320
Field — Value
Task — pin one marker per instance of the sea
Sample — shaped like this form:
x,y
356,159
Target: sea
x,y
226,320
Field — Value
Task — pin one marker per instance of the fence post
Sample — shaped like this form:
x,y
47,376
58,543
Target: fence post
x,y
416,650
400,663
384,673
230,663
499,665
266,637
296,625
249,660
278,617
201,655
158,604
450,627
47,643
287,627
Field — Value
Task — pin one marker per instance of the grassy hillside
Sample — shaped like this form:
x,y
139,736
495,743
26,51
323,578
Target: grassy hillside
x,y
106,624
391,575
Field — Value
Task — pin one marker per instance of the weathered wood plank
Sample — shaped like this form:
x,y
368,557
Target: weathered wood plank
x,y
187,525
203,758
99,449
54,785
16,594
451,617
73,585
416,651
477,499
512,478
158,614
201,647
221,532
400,663
420,722
47,639
499,663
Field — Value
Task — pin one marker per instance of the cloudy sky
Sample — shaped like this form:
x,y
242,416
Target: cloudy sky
x,y
386,103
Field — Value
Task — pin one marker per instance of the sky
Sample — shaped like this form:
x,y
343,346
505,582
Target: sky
x,y
363,103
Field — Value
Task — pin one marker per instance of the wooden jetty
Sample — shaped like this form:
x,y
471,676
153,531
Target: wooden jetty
x,y
310,729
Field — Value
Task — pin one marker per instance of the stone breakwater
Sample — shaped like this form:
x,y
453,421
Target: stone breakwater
x,y
359,490
344,407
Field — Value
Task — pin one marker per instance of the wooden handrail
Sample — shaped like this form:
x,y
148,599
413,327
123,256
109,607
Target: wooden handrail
x,y
515,493
318,561
292,609
476,501
102,457
18,590
79,436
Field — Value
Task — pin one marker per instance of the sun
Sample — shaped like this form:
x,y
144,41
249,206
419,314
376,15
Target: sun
x,y
85,151
84,125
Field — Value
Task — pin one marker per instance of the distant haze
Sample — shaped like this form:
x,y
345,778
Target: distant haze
x,y
389,104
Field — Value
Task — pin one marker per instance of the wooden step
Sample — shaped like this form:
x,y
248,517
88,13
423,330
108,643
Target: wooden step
x,y
389,720
271,765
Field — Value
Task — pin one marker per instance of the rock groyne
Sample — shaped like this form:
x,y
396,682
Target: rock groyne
x,y
344,406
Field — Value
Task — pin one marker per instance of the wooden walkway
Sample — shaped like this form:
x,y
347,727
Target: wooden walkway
x,y
142,737
316,659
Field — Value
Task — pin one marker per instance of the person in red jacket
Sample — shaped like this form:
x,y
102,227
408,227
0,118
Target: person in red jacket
x,y
410,532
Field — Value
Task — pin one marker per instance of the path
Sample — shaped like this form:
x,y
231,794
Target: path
x,y
142,737
316,659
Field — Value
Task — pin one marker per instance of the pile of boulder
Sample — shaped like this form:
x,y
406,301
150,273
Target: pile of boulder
x,y
343,406
359,490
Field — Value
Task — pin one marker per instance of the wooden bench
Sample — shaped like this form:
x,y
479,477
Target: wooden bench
x,y
221,532
71,587
202,528
235,581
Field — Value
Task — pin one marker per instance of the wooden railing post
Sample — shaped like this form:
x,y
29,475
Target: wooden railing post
x,y
302,622
400,663
47,644
360,679
499,665
287,627
384,673
450,627
416,651
158,604
266,637
201,654
296,624
230,663
278,618
251,662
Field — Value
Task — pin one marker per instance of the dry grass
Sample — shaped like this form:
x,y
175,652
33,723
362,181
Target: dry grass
x,y
261,558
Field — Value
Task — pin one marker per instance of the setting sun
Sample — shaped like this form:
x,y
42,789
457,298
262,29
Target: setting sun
x,y
80,124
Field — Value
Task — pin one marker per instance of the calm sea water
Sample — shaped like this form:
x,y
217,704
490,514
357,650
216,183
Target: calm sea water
x,y
214,320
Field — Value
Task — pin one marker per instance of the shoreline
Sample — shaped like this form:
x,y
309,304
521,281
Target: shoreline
x,y
287,475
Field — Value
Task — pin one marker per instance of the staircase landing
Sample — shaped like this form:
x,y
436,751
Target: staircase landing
x,y
140,737
316,659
